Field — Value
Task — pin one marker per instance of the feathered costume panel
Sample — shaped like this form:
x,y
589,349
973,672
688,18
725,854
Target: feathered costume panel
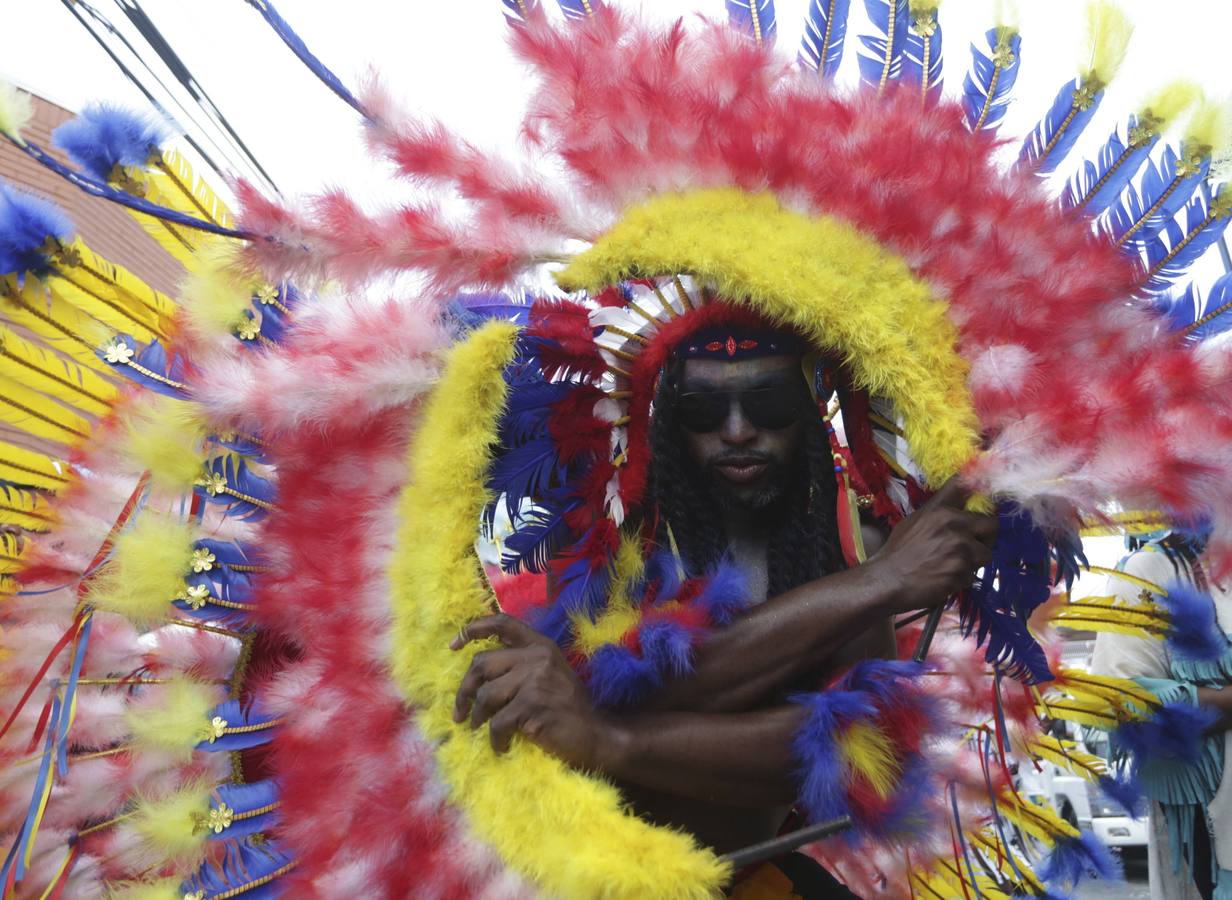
x,y
238,533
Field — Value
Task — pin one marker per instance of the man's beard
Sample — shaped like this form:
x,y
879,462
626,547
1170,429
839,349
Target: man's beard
x,y
764,500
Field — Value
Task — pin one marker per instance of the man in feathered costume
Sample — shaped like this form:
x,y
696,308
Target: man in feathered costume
x,y
232,661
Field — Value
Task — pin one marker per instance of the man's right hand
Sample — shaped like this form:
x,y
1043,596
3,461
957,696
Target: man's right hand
x,y
935,552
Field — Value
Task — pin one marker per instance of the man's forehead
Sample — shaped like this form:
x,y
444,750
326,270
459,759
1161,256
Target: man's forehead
x,y
708,374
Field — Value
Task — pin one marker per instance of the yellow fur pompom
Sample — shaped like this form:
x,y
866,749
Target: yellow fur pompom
x,y
172,828
165,438
1210,130
177,721
216,296
16,109
1169,102
147,570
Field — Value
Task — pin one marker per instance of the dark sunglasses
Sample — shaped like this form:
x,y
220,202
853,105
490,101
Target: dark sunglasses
x,y
770,408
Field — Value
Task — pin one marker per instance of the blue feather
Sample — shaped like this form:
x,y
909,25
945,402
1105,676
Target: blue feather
x,y
884,61
583,585
96,188
616,677
526,473
1176,732
1125,793
26,223
473,310
520,12
232,471
1097,184
1074,859
918,46
1014,583
304,55
105,136
243,863
726,594
1193,633
821,774
989,85
1055,135
1183,313
580,10
244,799
668,646
536,538
754,19
1170,251
236,716
1145,212
825,28
152,358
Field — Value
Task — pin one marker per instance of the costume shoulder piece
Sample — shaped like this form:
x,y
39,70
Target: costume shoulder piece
x,y
241,523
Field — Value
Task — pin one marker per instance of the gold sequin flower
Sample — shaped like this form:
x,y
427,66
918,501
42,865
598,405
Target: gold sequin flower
x,y
203,560
118,353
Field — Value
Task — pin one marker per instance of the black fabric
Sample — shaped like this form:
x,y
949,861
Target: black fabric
x,y
1201,861
811,880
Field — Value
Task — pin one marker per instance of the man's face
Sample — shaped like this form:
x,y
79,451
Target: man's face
x,y
742,425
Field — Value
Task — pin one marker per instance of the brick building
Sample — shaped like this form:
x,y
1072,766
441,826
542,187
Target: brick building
x,y
106,228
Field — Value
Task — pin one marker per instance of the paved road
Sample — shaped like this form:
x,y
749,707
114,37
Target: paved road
x,y
1135,887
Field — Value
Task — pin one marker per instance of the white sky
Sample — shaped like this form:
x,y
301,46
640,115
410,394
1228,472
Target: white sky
x,y
448,58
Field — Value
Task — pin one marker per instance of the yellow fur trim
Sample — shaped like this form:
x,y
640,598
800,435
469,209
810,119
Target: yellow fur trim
x,y
165,437
869,751
839,288
621,612
171,826
178,722
1108,34
151,559
563,830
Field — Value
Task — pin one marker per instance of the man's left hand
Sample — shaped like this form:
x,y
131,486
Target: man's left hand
x,y
528,687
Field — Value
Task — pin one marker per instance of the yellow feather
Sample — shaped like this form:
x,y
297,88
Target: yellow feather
x,y
7,586
1067,755
870,752
147,570
162,889
112,294
1108,33
12,553
24,509
16,109
165,436
54,375
31,412
170,827
196,196
569,834
1134,522
177,722
1170,101
31,469
1037,821
805,272
1081,711
923,7
1120,692
990,842
39,309
1210,130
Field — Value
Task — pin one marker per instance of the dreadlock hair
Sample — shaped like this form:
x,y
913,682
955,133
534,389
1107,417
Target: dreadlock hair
x,y
804,546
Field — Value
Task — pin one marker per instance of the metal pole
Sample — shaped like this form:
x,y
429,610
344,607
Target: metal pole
x,y
786,843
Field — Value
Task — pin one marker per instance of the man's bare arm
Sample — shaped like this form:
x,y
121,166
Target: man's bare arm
x,y
932,554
